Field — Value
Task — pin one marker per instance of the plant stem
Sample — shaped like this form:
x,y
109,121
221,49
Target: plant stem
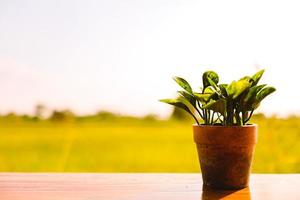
x,y
221,120
207,117
243,117
249,117
201,114
230,113
198,110
194,118
237,117
212,117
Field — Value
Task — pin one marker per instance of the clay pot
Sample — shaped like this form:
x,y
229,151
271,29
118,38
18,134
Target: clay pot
x,y
225,154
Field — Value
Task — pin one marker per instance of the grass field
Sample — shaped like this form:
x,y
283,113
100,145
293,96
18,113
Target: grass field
x,y
133,147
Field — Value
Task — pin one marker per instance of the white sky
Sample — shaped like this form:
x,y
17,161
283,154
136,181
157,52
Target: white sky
x,y
120,55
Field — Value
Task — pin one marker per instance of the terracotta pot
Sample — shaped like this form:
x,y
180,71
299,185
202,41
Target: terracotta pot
x,y
225,154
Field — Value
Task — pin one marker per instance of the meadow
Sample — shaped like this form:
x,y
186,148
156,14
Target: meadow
x,y
133,146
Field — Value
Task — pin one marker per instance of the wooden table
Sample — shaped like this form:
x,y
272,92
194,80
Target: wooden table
x,y
152,186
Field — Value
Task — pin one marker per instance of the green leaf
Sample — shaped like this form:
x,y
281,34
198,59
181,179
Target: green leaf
x,y
264,93
256,77
252,92
179,104
237,87
223,89
209,75
247,78
231,89
243,94
248,103
209,92
190,98
260,96
212,83
203,98
184,84
217,106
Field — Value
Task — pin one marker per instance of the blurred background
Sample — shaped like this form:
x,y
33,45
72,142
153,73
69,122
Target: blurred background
x,y
80,81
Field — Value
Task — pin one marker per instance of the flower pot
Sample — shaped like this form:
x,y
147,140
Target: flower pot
x,y
225,154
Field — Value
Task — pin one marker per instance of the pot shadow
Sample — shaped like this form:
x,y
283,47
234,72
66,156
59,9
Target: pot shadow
x,y
212,194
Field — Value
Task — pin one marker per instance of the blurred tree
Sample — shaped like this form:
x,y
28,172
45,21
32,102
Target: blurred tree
x,y
62,116
258,116
106,115
150,117
11,117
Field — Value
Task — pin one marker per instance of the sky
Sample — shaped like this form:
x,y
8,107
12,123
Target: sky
x,y
121,55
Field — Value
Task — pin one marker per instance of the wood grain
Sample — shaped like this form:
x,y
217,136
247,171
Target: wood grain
x,y
95,186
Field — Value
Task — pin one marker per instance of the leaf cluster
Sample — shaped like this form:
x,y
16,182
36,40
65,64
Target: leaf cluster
x,y
221,104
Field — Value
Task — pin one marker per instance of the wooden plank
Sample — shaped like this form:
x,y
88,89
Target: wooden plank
x,y
95,186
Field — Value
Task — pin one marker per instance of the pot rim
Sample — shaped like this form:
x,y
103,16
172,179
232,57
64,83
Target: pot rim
x,y
225,135
220,126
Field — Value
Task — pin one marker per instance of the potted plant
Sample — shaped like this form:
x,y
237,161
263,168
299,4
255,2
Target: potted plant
x,y
224,139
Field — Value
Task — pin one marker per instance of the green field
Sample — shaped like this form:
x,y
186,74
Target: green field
x,y
133,147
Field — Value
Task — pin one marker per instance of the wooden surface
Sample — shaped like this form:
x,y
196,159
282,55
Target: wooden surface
x,y
92,186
